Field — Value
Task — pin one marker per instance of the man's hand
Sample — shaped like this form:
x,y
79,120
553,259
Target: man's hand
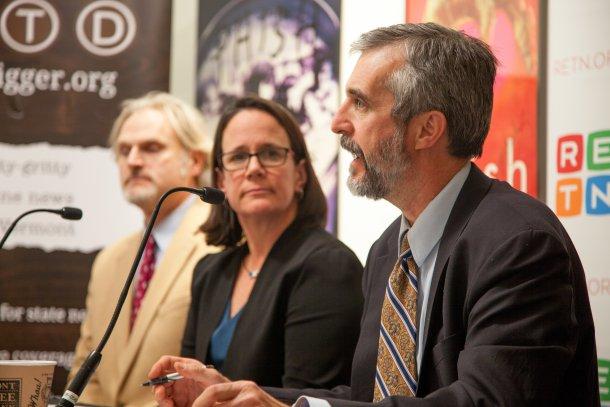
x,y
182,393
236,394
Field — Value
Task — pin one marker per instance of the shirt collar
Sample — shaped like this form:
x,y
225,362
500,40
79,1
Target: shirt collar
x,y
429,226
164,231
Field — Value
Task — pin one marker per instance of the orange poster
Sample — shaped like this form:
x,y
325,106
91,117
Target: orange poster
x,y
510,27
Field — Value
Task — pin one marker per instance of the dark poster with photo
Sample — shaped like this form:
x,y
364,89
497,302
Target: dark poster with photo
x,y
65,67
285,50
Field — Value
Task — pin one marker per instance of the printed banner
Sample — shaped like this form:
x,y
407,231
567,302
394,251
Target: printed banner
x,y
285,50
511,29
65,67
578,148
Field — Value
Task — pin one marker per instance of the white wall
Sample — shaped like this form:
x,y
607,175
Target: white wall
x,y
578,99
361,220
183,64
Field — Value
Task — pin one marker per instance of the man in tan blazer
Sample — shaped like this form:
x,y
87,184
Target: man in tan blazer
x,y
159,144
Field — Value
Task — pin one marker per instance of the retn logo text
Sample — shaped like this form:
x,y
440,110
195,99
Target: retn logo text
x,y
576,189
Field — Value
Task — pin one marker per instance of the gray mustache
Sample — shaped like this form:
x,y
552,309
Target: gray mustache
x,y
350,145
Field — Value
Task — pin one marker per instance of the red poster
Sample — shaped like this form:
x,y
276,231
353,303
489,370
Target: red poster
x,y
510,27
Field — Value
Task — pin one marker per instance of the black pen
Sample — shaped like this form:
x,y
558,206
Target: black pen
x,y
168,378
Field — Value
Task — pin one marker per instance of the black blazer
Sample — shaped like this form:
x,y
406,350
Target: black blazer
x,y
300,325
508,322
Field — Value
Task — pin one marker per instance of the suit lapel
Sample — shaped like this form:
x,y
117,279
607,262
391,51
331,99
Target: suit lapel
x,y
376,274
284,248
385,264
214,309
182,245
475,188
382,268
124,263
112,289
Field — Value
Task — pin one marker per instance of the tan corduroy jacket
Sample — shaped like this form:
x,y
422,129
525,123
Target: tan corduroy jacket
x,y
157,331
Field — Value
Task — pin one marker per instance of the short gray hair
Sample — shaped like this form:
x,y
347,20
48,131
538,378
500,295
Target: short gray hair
x,y
444,70
186,122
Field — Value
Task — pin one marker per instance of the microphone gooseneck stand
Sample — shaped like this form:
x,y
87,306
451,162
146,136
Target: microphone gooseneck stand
x,y
66,212
77,385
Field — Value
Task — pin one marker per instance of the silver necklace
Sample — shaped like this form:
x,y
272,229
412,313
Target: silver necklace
x,y
251,273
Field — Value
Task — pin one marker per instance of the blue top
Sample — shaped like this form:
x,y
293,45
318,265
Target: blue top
x,y
221,338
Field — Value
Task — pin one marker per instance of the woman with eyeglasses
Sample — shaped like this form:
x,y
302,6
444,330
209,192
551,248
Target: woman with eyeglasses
x,y
281,305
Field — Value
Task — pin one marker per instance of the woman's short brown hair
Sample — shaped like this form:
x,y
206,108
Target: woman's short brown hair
x,y
222,227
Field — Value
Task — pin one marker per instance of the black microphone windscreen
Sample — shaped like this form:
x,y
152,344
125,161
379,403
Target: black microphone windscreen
x,y
212,196
68,212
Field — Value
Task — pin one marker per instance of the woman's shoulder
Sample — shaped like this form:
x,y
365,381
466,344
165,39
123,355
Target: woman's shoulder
x,y
217,257
319,238
215,262
317,245
323,262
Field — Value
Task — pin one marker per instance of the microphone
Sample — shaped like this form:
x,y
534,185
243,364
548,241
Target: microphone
x,y
66,212
70,213
77,385
210,195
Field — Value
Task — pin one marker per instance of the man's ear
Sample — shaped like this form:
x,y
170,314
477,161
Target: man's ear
x,y
430,127
197,161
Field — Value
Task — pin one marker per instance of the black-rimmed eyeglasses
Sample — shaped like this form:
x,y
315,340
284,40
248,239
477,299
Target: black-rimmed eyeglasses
x,y
267,157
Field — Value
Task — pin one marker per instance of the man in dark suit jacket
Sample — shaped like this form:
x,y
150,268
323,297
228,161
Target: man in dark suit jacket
x,y
503,316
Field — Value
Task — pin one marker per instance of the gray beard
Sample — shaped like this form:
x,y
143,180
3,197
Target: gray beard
x,y
383,169
142,199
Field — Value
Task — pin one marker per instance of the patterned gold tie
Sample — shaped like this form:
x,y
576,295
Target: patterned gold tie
x,y
396,373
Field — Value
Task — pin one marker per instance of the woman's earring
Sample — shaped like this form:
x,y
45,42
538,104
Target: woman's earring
x,y
299,194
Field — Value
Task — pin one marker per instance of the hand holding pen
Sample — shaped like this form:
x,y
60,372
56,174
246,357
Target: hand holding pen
x,y
168,378
194,388
189,379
